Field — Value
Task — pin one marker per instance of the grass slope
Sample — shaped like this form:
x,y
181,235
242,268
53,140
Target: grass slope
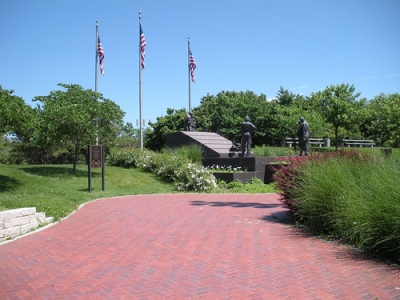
x,y
54,190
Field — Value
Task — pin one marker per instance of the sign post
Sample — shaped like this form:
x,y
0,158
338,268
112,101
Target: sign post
x,y
96,160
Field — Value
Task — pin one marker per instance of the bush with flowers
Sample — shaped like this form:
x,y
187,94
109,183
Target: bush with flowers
x,y
194,178
223,168
123,158
184,174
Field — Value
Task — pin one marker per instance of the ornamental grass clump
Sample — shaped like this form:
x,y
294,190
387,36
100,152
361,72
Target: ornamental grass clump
x,y
192,152
349,195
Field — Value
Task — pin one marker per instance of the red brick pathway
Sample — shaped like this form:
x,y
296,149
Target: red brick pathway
x,y
196,246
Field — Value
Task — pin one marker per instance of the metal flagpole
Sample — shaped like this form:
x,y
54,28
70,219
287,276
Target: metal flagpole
x,y
140,81
97,42
95,73
190,96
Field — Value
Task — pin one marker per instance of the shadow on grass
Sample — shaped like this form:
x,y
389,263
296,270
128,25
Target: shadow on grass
x,y
236,204
59,172
8,183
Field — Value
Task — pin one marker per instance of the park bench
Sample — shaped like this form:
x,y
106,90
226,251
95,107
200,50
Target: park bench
x,y
312,141
358,143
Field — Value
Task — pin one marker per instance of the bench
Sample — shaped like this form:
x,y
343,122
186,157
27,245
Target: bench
x,y
311,141
358,143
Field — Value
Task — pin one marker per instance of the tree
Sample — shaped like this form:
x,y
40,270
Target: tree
x,y
172,122
382,119
339,106
15,114
225,112
128,137
77,116
286,98
281,120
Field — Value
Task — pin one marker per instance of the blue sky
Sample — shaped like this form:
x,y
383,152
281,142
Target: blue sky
x,y
256,45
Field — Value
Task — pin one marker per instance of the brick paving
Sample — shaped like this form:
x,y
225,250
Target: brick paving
x,y
186,246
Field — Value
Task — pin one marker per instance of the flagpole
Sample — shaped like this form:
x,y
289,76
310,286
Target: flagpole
x,y
190,94
95,67
140,84
95,73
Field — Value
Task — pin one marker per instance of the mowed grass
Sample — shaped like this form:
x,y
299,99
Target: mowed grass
x,y
53,189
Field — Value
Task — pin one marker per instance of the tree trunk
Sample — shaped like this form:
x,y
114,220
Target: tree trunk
x,y
77,146
294,142
336,137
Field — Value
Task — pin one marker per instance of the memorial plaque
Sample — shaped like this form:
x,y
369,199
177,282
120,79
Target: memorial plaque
x,y
96,157
96,160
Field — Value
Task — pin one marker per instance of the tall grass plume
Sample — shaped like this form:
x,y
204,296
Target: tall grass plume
x,y
350,195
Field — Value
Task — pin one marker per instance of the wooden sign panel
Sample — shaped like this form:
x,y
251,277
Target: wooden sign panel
x,y
96,155
96,160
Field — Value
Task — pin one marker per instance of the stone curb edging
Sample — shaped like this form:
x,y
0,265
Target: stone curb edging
x,y
19,221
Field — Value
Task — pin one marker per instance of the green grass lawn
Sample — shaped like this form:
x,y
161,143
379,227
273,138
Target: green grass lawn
x,y
53,189
287,151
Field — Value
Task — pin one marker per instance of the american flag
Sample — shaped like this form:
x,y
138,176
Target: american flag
x,y
100,53
192,65
142,45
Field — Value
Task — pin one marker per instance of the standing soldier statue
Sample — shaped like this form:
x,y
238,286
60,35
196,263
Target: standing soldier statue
x,y
303,134
187,122
247,128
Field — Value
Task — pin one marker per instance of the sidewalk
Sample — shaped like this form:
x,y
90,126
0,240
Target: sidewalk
x,y
186,246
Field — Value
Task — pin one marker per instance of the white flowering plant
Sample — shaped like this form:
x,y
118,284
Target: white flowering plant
x,y
194,178
122,158
185,175
223,168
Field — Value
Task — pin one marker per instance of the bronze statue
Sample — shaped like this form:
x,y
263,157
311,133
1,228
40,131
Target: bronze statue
x,y
189,122
186,122
303,134
247,128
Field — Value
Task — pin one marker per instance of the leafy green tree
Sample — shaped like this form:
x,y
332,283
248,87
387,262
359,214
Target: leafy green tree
x,y
129,137
15,114
284,113
225,112
382,119
279,122
172,122
77,116
286,98
339,106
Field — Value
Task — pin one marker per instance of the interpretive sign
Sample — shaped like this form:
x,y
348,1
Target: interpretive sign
x,y
95,160
96,154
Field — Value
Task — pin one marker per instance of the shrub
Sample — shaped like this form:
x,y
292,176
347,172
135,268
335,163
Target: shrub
x,y
123,158
254,186
194,177
185,175
349,195
286,178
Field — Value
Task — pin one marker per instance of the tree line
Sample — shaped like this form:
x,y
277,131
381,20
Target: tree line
x,y
337,112
64,122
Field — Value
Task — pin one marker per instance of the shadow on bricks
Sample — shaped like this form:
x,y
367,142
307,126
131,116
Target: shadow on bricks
x,y
236,204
